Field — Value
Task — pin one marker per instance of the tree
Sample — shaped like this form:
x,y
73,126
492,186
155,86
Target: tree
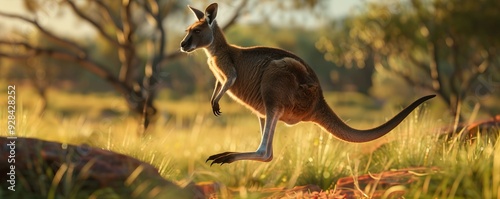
x,y
441,46
129,26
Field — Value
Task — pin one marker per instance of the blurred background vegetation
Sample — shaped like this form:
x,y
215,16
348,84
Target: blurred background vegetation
x,y
391,51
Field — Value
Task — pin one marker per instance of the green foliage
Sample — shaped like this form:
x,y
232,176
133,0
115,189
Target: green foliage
x,y
444,47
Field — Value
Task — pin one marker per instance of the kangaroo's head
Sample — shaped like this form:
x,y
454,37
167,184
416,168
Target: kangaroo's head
x,y
200,34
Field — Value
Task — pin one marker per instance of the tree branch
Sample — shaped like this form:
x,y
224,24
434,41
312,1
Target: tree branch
x,y
84,61
481,68
52,36
92,22
14,56
128,26
437,83
156,13
152,66
108,12
126,52
236,15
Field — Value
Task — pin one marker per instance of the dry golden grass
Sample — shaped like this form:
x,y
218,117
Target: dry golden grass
x,y
186,133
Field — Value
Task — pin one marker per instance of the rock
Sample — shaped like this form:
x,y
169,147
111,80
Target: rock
x,y
90,169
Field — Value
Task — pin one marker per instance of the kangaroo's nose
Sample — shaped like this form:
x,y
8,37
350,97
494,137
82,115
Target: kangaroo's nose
x,y
186,41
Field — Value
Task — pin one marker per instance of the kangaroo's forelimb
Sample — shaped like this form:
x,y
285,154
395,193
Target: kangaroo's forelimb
x,y
215,106
230,79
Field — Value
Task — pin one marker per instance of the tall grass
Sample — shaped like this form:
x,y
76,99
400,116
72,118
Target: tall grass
x,y
185,135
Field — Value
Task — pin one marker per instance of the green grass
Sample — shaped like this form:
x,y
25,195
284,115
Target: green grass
x,y
186,133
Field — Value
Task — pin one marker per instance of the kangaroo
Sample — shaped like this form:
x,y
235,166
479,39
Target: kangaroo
x,y
274,84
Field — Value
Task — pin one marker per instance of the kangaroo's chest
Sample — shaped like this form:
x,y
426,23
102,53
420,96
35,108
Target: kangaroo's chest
x,y
220,67
245,90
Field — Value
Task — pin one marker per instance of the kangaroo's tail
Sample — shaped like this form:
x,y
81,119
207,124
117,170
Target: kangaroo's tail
x,y
326,118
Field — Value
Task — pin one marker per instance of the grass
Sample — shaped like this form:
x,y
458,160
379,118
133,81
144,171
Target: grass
x,y
185,135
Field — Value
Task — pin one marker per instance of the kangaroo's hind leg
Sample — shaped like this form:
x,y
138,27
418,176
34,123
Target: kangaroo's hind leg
x,y
264,153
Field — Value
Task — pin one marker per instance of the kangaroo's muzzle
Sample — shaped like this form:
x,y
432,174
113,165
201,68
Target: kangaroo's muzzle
x,y
186,45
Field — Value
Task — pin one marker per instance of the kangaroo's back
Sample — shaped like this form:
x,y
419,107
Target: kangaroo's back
x,y
260,58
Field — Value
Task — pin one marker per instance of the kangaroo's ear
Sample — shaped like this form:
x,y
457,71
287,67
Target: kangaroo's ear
x,y
198,13
211,13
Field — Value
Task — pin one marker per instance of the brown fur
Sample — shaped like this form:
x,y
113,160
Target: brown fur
x,y
275,84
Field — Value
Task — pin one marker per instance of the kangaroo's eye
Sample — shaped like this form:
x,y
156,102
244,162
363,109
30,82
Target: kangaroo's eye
x,y
197,31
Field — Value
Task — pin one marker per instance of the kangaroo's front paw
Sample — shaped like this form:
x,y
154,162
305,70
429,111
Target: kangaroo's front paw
x,y
216,109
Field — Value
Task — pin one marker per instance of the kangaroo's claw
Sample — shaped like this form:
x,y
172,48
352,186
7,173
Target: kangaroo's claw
x,y
216,109
221,158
